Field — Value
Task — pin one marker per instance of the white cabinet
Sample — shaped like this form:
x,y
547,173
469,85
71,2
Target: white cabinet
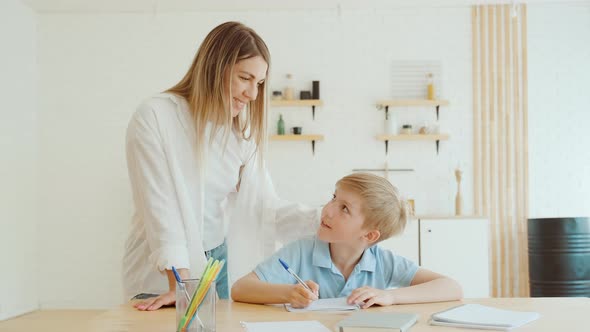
x,y
405,244
456,247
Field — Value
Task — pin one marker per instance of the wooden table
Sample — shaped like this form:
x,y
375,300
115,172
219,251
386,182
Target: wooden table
x,y
557,314
51,321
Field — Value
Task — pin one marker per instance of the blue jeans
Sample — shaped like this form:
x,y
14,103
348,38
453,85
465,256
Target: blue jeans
x,y
221,284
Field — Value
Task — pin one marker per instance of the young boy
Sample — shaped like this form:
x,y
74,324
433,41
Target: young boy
x,y
342,260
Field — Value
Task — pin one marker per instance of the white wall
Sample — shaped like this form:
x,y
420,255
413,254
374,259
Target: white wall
x,y
18,125
92,78
94,75
559,110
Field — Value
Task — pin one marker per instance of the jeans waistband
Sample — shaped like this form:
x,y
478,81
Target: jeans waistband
x,y
208,252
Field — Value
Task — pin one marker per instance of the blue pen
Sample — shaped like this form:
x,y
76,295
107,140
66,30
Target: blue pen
x,y
188,297
181,284
294,275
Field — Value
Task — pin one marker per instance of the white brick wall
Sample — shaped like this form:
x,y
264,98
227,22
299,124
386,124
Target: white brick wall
x,y
92,78
559,110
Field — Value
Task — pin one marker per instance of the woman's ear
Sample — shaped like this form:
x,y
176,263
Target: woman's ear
x,y
372,236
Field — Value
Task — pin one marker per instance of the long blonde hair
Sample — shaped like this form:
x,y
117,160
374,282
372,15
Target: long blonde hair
x,y
206,87
381,203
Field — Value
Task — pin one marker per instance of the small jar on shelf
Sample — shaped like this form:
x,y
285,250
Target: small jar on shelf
x,y
277,95
424,130
406,129
430,87
289,91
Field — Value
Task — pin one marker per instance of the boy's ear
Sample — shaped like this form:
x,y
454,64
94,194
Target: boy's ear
x,y
373,236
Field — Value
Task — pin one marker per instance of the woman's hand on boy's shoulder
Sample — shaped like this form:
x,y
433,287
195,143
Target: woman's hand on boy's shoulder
x,y
299,297
367,296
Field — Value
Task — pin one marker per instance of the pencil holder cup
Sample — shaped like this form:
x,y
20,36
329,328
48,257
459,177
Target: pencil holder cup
x,y
203,319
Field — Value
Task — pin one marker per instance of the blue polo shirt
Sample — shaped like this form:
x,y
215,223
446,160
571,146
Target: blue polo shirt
x,y
310,259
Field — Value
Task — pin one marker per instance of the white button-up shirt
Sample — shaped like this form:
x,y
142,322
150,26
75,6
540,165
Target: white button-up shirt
x,y
178,216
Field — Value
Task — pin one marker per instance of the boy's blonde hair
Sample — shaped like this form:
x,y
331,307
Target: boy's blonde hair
x,y
381,203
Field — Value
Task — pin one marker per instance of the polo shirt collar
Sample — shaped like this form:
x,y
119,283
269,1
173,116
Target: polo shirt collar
x,y
368,262
321,257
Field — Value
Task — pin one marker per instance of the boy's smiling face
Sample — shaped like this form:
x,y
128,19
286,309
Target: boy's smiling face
x,y
342,218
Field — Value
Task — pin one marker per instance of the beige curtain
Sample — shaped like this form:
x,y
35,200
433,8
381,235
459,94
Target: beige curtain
x,y
500,150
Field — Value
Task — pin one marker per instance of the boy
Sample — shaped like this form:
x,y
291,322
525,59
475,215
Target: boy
x,y
342,260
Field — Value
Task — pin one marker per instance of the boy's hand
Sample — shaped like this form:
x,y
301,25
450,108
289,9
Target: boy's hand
x,y
367,296
299,297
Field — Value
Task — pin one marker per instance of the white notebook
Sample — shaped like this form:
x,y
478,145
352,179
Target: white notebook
x,y
285,326
482,317
336,304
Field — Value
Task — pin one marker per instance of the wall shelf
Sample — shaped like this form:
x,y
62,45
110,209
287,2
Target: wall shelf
x,y
413,137
411,102
383,170
445,217
297,138
310,137
298,103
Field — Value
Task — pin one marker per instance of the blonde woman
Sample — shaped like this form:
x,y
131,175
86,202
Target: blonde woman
x,y
199,185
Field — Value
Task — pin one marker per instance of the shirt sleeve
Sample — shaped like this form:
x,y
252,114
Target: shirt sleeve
x,y
293,220
272,271
401,270
154,193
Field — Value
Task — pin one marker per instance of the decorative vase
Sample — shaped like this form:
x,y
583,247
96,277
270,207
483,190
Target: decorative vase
x,y
281,126
458,198
391,127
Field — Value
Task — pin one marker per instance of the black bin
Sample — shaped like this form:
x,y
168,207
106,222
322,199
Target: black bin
x,y
559,257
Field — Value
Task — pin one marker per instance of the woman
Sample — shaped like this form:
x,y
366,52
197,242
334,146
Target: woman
x,y
194,155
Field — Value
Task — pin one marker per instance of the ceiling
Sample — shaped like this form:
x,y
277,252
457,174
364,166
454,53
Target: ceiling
x,y
120,6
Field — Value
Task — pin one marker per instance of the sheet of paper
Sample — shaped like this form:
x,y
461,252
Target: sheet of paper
x,y
337,304
476,314
285,326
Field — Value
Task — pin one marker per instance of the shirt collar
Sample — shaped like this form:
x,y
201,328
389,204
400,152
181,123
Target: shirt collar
x,y
321,257
368,261
182,111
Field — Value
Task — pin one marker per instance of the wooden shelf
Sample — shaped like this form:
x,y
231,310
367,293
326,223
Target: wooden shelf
x,y
296,102
445,217
413,137
412,102
310,137
297,137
